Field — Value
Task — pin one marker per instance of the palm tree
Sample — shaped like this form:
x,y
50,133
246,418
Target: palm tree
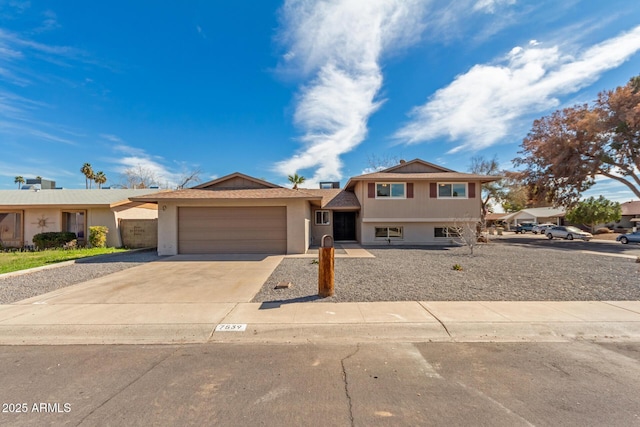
x,y
87,170
100,178
19,180
296,179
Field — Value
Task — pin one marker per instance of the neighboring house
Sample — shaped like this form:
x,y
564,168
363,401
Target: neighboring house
x,y
414,202
630,214
535,215
25,213
495,219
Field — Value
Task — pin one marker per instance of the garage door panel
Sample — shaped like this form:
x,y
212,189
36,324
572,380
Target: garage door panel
x,y
232,230
235,246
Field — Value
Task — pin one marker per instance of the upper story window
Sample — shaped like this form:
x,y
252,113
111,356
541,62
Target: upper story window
x,y
452,190
322,218
391,190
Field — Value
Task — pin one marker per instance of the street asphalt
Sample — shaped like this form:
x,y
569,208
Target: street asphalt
x,y
575,383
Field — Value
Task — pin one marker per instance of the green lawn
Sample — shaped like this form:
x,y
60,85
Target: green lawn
x,y
14,261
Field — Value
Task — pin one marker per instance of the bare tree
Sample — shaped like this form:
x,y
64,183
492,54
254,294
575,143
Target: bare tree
x,y
377,163
190,176
467,232
138,177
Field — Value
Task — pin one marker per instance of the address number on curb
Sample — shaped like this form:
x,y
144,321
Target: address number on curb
x,y
231,327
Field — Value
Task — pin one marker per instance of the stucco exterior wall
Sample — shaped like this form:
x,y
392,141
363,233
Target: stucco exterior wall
x,y
414,233
298,217
114,238
104,217
420,206
51,218
317,231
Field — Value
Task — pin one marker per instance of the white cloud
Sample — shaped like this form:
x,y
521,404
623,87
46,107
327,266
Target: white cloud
x,y
137,159
112,138
489,6
479,108
339,44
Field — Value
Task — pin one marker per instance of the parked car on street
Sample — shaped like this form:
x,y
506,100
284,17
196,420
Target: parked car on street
x,y
568,233
633,237
524,227
542,228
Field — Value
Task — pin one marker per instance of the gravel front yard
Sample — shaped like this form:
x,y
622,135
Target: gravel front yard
x,y
496,272
16,288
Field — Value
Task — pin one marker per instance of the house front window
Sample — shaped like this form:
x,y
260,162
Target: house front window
x,y
74,222
452,190
322,218
389,233
10,229
447,232
390,190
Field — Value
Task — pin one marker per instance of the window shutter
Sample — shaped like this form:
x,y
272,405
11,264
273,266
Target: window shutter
x,y
433,190
472,190
372,190
409,190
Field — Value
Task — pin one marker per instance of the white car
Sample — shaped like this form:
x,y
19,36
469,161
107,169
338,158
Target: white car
x,y
568,233
542,228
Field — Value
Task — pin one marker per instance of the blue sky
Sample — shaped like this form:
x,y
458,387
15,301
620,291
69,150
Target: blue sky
x,y
269,88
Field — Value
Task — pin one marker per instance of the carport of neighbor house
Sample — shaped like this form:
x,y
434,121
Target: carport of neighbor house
x,y
176,279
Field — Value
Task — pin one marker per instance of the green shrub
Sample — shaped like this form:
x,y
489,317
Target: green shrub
x,y
52,239
98,236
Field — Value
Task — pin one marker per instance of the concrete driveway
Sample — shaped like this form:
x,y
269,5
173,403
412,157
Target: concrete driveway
x,y
179,299
178,279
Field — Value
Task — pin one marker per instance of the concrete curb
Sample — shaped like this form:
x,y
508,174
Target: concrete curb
x,y
320,333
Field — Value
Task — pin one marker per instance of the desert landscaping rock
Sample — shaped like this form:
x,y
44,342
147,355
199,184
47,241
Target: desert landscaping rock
x,y
496,272
16,288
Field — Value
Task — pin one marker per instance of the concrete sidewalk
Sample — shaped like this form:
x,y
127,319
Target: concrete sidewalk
x,y
163,323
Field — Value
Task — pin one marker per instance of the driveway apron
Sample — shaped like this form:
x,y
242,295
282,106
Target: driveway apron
x,y
178,279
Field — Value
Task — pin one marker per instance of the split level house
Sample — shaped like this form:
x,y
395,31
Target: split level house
x,y
413,203
25,213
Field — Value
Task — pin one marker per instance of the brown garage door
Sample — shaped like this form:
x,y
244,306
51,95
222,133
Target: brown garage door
x,y
232,230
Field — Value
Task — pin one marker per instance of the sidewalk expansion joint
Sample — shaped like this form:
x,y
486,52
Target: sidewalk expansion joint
x,y
222,321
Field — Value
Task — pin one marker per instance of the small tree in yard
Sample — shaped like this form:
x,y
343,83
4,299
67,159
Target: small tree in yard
x,y
98,236
594,211
468,232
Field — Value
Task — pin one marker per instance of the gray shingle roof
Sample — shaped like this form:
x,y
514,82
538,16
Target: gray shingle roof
x,y
31,198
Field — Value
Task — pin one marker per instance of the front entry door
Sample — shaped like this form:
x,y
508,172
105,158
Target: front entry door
x,y
344,225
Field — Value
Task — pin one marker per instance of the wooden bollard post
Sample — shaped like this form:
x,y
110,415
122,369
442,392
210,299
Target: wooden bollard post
x,y
326,274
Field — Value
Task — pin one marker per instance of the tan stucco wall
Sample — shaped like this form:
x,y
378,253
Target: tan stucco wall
x,y
298,216
94,216
317,231
104,217
52,217
420,206
418,233
124,212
